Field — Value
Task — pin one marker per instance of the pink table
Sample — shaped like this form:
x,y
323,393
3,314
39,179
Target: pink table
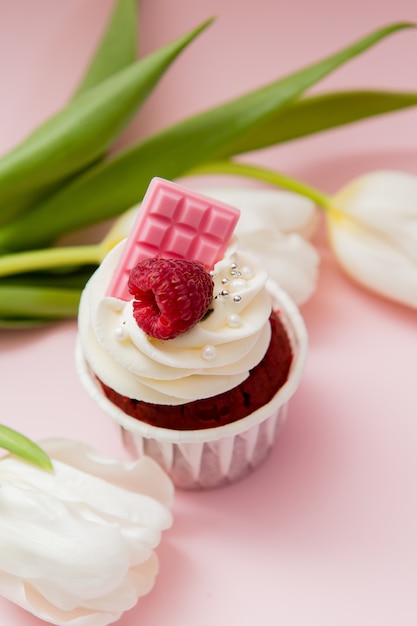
x,y
325,532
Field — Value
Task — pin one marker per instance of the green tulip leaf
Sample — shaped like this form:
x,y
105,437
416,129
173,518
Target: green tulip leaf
x,y
22,301
116,49
316,114
21,446
23,323
85,128
57,279
110,188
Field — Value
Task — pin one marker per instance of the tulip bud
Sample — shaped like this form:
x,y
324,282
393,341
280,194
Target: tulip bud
x,y
372,225
77,545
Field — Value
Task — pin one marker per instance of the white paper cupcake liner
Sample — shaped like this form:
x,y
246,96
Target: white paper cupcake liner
x,y
212,457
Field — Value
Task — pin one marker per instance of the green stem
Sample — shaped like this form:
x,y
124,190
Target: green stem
x,y
268,176
47,258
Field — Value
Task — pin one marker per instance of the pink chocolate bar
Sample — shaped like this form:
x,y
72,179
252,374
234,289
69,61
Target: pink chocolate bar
x,y
175,222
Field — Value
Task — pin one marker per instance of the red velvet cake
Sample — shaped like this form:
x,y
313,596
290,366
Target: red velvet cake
x,y
185,342
264,380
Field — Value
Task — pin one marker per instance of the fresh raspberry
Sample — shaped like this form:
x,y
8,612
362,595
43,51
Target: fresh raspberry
x,y
171,295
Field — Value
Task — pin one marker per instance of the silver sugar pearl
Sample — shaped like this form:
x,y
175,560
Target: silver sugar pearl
x,y
237,298
224,292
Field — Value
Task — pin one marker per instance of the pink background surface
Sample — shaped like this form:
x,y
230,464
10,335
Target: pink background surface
x,y
325,532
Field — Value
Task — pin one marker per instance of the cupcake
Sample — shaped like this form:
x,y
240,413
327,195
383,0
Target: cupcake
x,y
186,344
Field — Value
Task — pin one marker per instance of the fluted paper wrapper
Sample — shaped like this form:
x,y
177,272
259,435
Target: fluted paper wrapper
x,y
213,457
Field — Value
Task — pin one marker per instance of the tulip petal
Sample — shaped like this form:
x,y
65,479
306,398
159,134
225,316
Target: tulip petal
x,y
275,225
386,202
263,208
77,546
375,264
143,476
373,232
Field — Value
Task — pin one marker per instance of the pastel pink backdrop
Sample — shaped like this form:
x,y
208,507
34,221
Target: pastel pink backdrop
x,y
325,532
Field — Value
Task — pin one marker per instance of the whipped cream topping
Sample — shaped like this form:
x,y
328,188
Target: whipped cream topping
x,y
212,357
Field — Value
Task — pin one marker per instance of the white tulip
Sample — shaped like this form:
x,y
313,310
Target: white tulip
x,y
274,224
77,545
372,226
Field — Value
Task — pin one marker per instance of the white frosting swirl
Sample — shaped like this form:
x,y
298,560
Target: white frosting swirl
x,y
210,358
